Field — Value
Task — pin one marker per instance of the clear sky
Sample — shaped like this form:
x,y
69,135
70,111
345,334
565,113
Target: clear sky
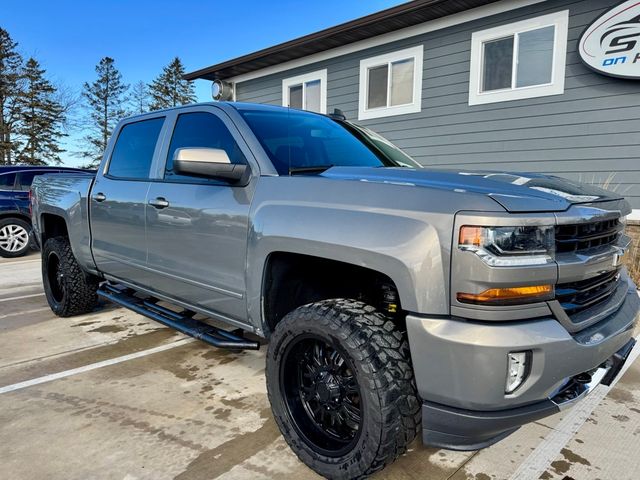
x,y
70,37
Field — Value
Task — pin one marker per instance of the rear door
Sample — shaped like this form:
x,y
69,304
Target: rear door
x,y
118,201
21,194
197,230
7,192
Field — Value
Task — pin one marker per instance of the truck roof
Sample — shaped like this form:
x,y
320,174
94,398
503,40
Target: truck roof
x,y
225,105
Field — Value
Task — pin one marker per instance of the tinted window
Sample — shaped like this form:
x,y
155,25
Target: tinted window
x,y
203,130
133,152
25,179
297,140
7,180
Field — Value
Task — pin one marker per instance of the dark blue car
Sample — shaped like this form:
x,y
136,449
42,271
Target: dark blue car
x,y
15,219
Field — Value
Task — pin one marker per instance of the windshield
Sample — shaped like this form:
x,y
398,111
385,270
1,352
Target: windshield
x,y
297,141
387,148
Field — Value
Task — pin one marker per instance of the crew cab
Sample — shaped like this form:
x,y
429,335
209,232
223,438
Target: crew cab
x,y
395,299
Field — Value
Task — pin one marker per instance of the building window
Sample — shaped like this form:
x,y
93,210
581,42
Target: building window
x,y
521,60
306,92
391,84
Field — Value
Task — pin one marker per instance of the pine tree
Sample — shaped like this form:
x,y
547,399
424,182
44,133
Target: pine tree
x,y
169,89
105,98
41,119
140,97
11,90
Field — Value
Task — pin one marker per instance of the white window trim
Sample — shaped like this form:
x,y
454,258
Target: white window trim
x,y
302,79
417,53
558,19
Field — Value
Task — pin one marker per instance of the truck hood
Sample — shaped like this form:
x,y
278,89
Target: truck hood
x,y
516,192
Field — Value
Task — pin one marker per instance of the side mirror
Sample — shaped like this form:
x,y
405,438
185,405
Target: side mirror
x,y
207,162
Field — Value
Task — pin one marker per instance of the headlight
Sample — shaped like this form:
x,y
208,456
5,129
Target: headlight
x,y
509,246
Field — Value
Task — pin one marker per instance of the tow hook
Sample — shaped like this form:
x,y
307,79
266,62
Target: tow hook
x,y
583,378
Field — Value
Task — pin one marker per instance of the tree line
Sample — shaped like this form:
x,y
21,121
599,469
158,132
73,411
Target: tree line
x,y
36,114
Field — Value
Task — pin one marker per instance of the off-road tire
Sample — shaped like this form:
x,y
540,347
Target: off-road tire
x,y
379,353
69,290
18,222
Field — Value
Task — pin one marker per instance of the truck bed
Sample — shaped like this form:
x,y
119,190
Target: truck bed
x,y
65,195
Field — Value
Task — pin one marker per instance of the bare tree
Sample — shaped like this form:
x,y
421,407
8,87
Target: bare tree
x,y
140,98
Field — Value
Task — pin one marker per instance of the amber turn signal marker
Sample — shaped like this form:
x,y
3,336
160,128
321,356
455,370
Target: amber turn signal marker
x,y
471,236
508,296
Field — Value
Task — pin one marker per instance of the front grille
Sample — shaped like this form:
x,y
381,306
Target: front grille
x,y
577,296
583,236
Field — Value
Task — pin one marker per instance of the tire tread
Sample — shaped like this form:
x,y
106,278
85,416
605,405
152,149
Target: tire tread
x,y
383,353
81,288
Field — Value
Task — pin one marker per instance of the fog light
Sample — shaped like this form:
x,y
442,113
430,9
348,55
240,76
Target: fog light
x,y
518,367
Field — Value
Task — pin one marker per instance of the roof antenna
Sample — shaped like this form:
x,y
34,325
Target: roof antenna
x,y
337,114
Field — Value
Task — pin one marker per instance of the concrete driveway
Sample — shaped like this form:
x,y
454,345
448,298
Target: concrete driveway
x,y
114,395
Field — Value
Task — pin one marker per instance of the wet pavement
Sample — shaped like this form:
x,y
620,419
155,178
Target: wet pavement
x,y
137,401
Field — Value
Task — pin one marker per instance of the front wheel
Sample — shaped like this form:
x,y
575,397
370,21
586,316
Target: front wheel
x,y
341,388
69,290
14,237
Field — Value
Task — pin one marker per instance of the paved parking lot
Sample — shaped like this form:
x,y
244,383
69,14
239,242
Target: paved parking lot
x,y
114,395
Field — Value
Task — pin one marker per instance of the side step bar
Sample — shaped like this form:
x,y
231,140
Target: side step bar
x,y
182,322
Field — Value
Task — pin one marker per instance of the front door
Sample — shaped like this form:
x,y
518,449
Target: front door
x,y
118,203
196,227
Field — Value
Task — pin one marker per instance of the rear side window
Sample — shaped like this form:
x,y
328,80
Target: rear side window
x,y
7,180
133,152
205,130
25,179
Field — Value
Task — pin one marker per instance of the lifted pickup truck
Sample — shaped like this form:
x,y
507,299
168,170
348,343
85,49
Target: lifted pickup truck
x,y
394,297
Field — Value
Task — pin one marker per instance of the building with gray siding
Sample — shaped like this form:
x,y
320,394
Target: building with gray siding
x,y
498,85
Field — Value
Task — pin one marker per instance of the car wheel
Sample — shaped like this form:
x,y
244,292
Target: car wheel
x,y
69,290
14,237
341,387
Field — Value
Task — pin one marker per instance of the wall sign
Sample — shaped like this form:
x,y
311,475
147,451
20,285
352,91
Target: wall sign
x,y
611,44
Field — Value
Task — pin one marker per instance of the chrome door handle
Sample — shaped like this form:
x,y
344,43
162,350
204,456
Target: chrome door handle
x,y
159,203
100,197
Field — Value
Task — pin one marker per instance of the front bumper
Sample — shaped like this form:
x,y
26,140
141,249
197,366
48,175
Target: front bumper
x,y
460,368
460,429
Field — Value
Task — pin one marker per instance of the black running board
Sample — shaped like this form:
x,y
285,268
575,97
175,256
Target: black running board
x,y
180,321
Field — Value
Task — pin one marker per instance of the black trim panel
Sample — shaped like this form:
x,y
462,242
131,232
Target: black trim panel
x,y
460,429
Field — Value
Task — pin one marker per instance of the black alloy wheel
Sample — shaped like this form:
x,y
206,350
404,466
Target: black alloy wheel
x,y
55,277
322,395
68,288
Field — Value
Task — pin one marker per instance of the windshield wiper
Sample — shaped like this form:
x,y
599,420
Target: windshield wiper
x,y
312,169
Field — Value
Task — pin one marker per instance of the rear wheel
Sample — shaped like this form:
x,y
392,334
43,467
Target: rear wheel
x,y
14,237
69,290
341,388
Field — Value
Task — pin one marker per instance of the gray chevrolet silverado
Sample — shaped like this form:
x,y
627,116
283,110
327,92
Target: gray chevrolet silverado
x,y
394,297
